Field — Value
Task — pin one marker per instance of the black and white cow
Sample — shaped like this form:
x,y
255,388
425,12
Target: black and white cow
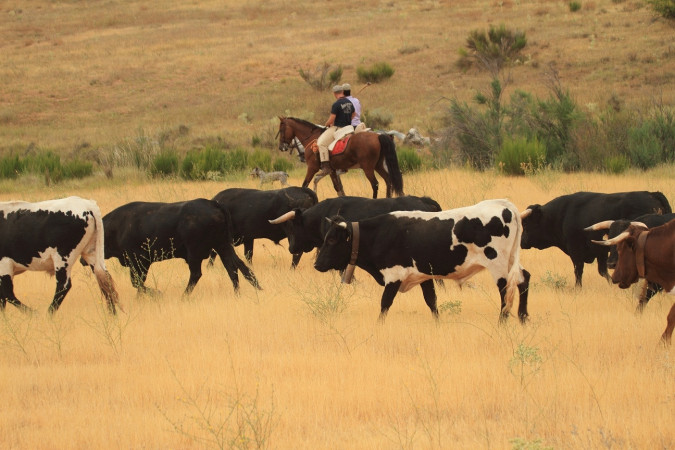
x,y
51,236
141,233
405,248
305,228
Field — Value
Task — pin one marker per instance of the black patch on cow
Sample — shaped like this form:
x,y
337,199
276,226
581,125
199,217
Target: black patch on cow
x,y
472,231
507,215
490,252
24,234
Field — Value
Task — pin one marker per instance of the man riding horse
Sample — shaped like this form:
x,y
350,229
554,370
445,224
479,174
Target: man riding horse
x,y
338,124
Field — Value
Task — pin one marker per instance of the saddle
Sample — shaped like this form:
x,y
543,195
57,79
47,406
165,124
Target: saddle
x,y
337,147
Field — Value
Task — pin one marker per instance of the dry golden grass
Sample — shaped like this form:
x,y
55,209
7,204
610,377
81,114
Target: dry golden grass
x,y
303,363
76,74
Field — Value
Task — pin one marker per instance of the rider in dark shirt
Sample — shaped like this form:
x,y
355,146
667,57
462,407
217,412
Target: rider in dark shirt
x,y
341,114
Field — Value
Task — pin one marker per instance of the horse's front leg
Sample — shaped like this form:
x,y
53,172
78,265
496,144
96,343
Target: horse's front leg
x,y
308,176
337,183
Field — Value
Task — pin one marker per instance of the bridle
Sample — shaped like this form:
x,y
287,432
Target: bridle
x,y
286,145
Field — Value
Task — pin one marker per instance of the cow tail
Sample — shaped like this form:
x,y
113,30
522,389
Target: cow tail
x,y
514,274
105,281
388,149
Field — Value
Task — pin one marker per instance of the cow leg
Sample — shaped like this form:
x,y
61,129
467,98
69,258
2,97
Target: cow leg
x,y
195,265
602,267
138,273
248,250
429,293
668,333
578,271
63,285
501,285
390,291
296,260
7,294
648,291
232,264
523,288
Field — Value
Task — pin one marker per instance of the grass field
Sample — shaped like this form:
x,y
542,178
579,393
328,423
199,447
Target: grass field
x,y
304,363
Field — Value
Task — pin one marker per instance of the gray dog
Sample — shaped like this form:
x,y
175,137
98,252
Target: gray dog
x,y
270,177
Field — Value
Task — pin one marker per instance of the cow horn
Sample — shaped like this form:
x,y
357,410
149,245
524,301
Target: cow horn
x,y
342,224
639,224
614,240
290,215
525,213
600,226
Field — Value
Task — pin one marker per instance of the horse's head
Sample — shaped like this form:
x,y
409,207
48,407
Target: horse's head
x,y
285,133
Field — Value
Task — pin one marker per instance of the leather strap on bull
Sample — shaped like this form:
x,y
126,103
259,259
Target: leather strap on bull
x,y
640,253
349,271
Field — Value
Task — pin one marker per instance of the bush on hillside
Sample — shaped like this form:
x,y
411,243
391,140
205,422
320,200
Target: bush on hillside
x,y
493,49
323,77
408,160
665,8
165,164
378,118
377,72
518,154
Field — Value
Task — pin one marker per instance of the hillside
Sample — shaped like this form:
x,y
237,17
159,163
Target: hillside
x,y
90,74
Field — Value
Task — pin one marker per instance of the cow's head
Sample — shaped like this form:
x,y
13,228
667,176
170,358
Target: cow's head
x,y
293,225
535,231
614,228
336,249
625,271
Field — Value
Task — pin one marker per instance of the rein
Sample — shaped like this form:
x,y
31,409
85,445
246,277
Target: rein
x,y
640,253
349,271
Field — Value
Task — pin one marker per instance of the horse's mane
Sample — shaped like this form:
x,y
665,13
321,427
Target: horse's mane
x,y
306,123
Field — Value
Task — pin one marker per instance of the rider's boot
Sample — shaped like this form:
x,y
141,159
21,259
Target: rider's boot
x,y
325,168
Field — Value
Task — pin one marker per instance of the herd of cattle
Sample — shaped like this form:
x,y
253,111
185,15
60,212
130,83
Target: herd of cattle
x,y
401,242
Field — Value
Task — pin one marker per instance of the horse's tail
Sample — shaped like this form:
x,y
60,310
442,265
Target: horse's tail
x,y
388,149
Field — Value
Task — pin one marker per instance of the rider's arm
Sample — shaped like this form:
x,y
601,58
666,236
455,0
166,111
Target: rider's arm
x,y
331,120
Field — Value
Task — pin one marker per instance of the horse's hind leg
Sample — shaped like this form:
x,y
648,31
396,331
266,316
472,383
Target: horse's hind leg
x,y
370,174
385,176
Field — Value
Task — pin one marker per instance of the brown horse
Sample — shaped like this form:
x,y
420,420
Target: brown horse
x,y
370,151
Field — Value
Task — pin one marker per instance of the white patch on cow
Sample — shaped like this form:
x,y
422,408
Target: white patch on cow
x,y
408,276
484,210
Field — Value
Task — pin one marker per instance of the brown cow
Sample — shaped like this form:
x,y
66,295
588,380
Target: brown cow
x,y
648,254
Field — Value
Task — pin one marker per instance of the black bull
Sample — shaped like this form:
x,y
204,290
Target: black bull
x,y
561,222
141,233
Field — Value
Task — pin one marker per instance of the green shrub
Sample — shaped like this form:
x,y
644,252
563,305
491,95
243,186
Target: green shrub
x,y
492,50
644,149
282,164
519,153
164,164
77,169
378,118
617,164
575,6
11,167
188,166
664,7
408,160
378,72
261,159
236,160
